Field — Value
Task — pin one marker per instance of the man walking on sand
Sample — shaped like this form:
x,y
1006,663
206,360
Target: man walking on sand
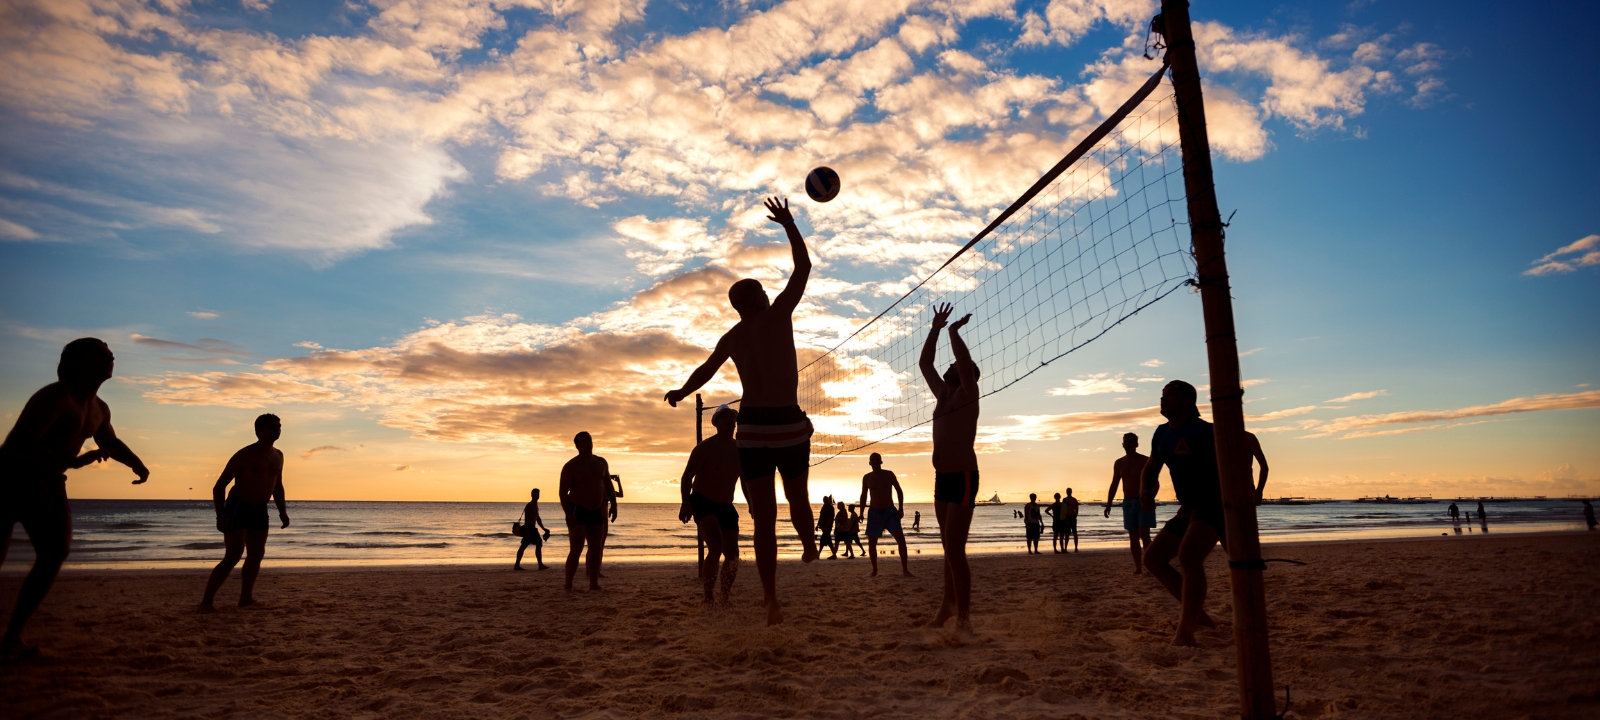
x,y
1033,523
256,472
42,446
825,528
530,532
707,488
844,525
1135,519
885,511
955,462
590,504
774,435
1186,446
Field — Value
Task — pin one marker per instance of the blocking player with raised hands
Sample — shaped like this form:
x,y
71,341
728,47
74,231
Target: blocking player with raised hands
x,y
955,462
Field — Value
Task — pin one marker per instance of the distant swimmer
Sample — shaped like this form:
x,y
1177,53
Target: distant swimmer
x,y
955,461
1069,521
1253,445
708,482
916,521
1033,523
590,504
844,528
530,532
825,528
256,472
1588,514
1186,446
42,446
774,434
1128,472
885,511
1455,513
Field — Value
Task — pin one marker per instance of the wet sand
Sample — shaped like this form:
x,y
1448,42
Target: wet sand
x,y
1488,627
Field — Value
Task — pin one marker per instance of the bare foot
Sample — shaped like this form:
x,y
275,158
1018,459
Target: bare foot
x,y
206,608
15,653
906,573
874,572
1205,621
542,567
519,567
964,624
941,617
810,555
246,601
595,587
1184,640
774,613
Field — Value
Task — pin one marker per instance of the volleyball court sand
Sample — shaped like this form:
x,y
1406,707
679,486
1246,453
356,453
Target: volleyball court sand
x,y
1487,627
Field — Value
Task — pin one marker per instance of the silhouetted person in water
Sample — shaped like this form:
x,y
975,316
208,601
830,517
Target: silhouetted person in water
x,y
1588,514
590,504
44,443
1186,446
530,532
774,435
825,528
955,462
916,521
1260,458
708,482
1455,513
256,472
885,511
1128,472
1033,523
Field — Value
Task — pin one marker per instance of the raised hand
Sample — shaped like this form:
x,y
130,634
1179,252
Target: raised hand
x,y
143,473
941,314
676,396
780,211
957,325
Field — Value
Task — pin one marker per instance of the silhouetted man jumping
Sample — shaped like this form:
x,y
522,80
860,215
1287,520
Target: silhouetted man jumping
x,y
955,462
41,447
1186,446
774,435
590,504
256,472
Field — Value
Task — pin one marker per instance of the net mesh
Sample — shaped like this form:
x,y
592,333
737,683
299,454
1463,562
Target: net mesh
x,y
1102,241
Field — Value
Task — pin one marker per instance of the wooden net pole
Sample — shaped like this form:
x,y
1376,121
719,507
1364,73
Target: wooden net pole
x,y
1256,698
699,543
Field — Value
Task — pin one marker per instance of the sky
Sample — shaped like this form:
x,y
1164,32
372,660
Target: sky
x,y
438,239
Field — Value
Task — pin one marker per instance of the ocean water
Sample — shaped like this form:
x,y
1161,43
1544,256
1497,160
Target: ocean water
x,y
181,533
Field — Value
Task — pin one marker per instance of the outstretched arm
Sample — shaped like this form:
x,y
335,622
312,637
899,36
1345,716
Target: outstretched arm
x,y
964,367
114,448
941,315
790,297
863,491
702,374
900,496
278,497
687,484
1111,495
219,491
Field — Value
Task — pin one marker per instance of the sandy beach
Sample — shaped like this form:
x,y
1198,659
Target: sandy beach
x,y
1495,627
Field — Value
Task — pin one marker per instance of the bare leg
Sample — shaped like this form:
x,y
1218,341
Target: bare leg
x,y
762,496
520,550
955,520
597,552
730,565
255,543
1192,552
872,550
905,563
538,555
233,549
796,491
576,535
711,535
1158,560
51,536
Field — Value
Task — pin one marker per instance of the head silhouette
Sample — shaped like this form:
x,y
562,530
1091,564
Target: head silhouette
x,y
1069,492
953,378
1058,496
85,361
725,419
748,297
583,442
1033,496
269,427
1178,400
1130,441
534,494
875,460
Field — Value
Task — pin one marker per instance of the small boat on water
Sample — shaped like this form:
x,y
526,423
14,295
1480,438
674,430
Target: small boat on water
x,y
991,501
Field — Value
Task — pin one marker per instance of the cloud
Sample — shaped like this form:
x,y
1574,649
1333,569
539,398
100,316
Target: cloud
x,y
307,344
13,231
1583,252
1366,425
1152,363
1367,395
307,455
1099,384
205,345
204,314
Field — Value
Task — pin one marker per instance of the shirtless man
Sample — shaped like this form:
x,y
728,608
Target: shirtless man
x,y
256,472
1253,445
1186,446
1033,522
774,435
708,482
530,532
1135,519
955,462
1069,521
1057,526
43,444
590,504
885,511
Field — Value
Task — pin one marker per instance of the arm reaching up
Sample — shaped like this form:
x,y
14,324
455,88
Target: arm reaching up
x,y
790,297
941,315
964,366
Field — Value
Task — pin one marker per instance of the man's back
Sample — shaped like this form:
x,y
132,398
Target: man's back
x,y
587,480
54,424
880,484
1070,504
1128,469
762,349
955,430
256,469
716,468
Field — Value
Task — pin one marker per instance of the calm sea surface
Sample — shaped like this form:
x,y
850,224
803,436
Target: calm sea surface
x,y
180,533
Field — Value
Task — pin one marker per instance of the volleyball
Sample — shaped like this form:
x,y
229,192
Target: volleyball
x,y
822,184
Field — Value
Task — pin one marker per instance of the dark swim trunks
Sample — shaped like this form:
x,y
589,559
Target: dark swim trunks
x,y
1034,531
773,440
38,500
956,487
701,506
585,516
1179,524
245,516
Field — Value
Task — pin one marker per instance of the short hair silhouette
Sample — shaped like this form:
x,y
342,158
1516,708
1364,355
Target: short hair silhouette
x,y
263,419
747,294
1131,436
582,436
1185,390
76,354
